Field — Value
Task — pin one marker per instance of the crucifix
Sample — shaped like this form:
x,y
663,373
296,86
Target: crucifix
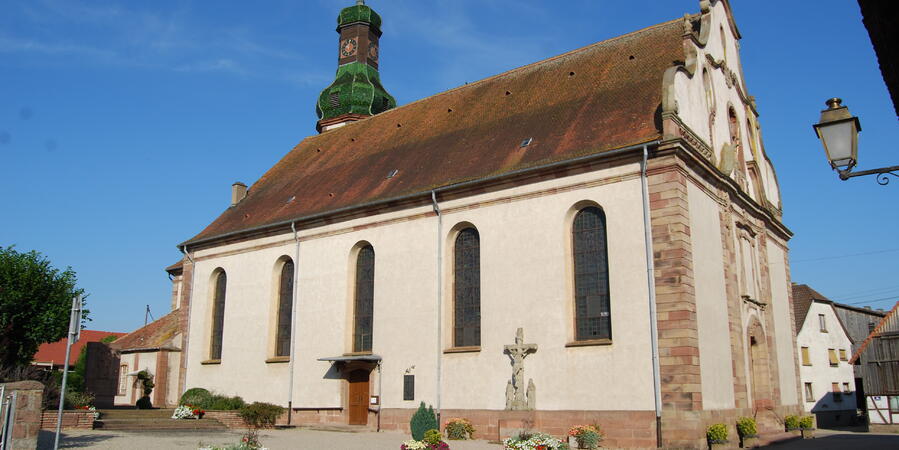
x,y
516,398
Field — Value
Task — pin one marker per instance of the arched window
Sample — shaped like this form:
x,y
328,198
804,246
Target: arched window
x,y
467,289
591,275
285,304
218,316
364,300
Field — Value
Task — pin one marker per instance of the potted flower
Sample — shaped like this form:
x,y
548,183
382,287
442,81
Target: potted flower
x,y
527,440
807,427
748,431
459,428
791,423
717,436
586,436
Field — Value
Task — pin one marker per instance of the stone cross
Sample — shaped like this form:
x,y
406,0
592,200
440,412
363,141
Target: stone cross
x,y
516,399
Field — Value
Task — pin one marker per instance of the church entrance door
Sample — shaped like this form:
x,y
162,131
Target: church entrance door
x,y
358,397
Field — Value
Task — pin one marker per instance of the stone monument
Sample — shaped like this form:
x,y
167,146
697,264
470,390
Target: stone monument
x,y
516,397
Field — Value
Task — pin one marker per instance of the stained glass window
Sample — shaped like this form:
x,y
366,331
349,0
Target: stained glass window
x,y
467,289
218,316
591,275
285,303
364,301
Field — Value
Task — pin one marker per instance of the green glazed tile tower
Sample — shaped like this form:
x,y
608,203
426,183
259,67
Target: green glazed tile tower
x,y
356,92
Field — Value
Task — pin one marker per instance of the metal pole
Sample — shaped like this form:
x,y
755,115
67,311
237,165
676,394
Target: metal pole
x,y
439,278
74,326
10,421
293,321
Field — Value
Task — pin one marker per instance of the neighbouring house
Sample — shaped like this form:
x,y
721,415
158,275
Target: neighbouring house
x,y
878,355
828,381
53,354
596,237
859,323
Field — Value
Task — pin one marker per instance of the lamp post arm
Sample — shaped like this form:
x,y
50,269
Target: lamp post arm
x,y
881,178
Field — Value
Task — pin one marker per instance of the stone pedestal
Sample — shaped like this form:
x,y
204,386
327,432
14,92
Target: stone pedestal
x,y
28,413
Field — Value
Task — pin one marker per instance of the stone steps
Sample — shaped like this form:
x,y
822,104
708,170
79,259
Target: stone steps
x,y
152,420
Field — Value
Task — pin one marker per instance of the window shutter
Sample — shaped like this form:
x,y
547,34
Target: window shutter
x,y
833,357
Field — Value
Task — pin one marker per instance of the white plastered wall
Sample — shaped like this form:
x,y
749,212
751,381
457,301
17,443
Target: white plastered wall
x,y
716,370
780,309
524,281
820,373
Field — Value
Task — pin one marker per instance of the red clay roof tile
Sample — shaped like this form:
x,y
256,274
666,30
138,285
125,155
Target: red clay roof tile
x,y
594,99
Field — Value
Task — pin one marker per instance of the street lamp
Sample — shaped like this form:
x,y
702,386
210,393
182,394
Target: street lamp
x,y
838,131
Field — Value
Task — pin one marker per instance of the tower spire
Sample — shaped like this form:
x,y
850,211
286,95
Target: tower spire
x,y
356,92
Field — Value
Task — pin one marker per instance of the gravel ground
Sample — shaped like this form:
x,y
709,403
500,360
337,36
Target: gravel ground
x,y
272,439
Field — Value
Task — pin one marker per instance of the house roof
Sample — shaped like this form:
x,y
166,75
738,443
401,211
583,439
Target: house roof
x,y
803,297
889,324
153,336
591,100
55,352
176,267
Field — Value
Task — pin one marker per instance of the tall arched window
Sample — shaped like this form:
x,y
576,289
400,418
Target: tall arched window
x,y
467,289
285,304
591,275
218,316
364,301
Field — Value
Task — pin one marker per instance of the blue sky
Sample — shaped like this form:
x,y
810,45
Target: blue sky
x,y
123,124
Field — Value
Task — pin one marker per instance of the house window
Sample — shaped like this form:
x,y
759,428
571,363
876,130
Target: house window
x,y
837,395
806,361
842,354
822,323
285,304
363,311
846,388
591,275
408,387
123,379
467,289
832,354
218,316
809,397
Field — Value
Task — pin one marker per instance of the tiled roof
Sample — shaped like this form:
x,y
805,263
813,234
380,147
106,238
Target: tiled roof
x,y
158,334
591,100
55,352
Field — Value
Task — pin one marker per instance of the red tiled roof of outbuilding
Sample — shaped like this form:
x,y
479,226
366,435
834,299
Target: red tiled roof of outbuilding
x,y
55,352
588,101
154,335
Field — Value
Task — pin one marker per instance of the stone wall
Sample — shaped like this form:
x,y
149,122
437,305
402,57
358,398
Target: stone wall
x,y
28,413
71,420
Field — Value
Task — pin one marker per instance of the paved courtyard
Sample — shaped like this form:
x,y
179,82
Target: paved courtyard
x,y
830,439
273,439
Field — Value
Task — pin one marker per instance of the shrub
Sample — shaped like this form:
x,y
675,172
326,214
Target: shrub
x,y
422,421
587,436
224,403
433,437
144,403
260,415
807,422
791,422
145,379
195,396
459,428
717,433
746,427
77,400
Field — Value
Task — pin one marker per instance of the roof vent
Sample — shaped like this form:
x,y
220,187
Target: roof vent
x,y
291,199
526,142
392,173
508,93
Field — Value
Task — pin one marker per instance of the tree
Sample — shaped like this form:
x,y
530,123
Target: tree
x,y
35,304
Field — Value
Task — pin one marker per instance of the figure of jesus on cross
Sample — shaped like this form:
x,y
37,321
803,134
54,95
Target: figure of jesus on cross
x,y
516,399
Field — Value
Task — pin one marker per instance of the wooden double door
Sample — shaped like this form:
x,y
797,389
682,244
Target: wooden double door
x,y
358,397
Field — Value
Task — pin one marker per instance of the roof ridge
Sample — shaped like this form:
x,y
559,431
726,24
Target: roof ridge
x,y
508,72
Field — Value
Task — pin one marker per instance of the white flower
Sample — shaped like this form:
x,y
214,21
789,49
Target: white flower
x,y
183,412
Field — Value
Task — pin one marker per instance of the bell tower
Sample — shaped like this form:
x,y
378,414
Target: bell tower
x,y
356,92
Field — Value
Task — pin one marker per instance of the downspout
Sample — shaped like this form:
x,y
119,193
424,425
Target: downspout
x,y
380,399
651,284
293,321
190,308
439,300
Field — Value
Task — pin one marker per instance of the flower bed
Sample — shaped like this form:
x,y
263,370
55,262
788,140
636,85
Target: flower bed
x,y
532,441
188,412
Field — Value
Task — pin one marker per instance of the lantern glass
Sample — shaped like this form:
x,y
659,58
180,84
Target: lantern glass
x,y
840,140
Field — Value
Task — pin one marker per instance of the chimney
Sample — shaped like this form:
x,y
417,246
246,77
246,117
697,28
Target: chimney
x,y
238,192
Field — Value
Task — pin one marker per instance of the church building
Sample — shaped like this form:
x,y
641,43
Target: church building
x,y
592,238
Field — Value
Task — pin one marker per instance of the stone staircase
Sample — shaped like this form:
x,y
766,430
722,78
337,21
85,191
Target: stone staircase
x,y
152,420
